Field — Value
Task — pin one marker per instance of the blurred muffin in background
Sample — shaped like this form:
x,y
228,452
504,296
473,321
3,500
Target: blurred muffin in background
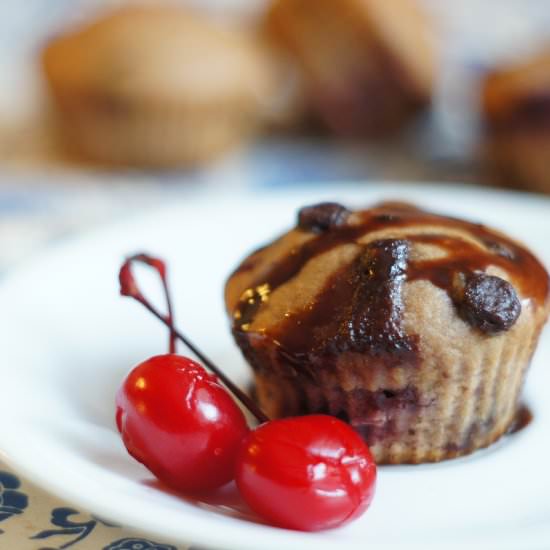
x,y
155,86
516,122
369,65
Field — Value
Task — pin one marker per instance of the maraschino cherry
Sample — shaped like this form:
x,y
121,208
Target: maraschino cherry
x,y
174,417
307,473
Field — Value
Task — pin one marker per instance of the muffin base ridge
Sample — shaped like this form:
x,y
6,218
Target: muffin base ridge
x,y
395,411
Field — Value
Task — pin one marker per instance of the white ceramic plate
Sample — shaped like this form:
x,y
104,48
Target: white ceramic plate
x,y
67,339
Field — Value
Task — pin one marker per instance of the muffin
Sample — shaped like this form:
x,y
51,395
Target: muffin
x,y
155,85
415,328
368,65
516,123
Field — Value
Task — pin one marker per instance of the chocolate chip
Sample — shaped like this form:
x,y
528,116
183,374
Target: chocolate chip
x,y
490,303
322,217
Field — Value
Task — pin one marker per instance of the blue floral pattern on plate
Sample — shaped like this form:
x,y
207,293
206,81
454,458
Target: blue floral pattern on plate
x,y
12,501
138,544
80,529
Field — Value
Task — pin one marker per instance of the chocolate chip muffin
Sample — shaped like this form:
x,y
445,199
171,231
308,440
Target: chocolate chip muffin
x,y
516,121
155,85
368,66
415,328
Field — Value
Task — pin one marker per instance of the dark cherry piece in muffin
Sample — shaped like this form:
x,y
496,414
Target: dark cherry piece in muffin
x,y
415,328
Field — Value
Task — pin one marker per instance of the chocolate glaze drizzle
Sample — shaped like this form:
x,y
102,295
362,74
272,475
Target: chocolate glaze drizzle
x,y
374,320
523,418
360,306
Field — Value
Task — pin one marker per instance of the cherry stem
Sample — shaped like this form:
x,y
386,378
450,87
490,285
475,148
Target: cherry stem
x,y
128,287
127,283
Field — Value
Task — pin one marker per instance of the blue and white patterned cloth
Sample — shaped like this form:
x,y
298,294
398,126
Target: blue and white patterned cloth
x,y
32,520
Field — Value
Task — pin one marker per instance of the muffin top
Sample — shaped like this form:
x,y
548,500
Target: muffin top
x,y
341,281
407,33
157,52
397,29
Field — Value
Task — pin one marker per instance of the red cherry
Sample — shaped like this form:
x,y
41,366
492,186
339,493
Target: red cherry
x,y
307,473
179,422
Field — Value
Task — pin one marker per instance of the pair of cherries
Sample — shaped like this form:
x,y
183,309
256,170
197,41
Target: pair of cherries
x,y
306,473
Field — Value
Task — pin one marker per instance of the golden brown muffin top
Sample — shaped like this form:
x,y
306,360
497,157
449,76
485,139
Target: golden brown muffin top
x,y
523,86
158,52
335,282
334,35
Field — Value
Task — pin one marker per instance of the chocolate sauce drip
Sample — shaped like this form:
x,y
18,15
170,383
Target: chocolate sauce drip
x,y
373,323
462,258
359,312
523,418
359,309
291,265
